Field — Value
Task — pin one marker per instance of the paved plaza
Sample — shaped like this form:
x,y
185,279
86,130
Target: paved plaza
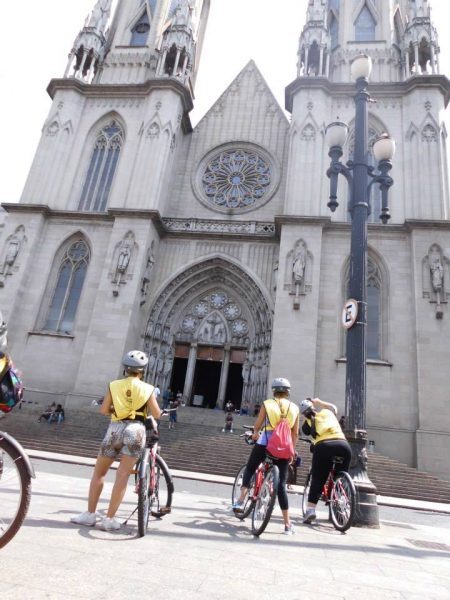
x,y
202,551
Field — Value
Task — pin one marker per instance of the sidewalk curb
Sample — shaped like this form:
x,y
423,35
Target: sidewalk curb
x,y
436,507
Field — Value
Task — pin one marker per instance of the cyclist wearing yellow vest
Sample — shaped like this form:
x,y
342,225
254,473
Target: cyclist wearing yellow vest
x,y
128,401
329,441
270,414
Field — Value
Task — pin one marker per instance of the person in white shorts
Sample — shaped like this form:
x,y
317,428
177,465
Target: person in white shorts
x,y
128,401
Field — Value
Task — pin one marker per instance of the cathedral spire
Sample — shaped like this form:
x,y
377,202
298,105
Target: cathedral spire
x,y
89,46
314,44
420,41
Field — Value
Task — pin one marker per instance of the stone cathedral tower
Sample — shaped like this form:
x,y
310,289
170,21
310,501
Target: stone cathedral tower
x,y
212,248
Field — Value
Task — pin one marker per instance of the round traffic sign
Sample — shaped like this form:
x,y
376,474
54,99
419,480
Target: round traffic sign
x,y
349,313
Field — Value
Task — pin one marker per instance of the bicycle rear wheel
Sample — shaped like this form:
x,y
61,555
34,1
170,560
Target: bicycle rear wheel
x,y
248,501
15,491
144,500
343,501
265,501
306,489
162,491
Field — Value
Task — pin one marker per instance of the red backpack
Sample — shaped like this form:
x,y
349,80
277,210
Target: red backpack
x,y
280,443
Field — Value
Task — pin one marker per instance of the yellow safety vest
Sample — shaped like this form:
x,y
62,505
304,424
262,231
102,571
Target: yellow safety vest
x,y
327,426
278,409
129,397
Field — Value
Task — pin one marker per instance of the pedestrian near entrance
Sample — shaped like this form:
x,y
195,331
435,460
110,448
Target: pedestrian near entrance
x,y
173,406
128,401
270,414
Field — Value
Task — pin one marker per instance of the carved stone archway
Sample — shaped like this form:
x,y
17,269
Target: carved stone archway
x,y
214,303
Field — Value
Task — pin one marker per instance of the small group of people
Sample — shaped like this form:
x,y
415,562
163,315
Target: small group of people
x,y
130,401
229,410
320,422
171,403
53,413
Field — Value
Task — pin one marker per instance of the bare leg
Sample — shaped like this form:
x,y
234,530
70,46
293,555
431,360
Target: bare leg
x,y
98,479
286,519
244,491
120,485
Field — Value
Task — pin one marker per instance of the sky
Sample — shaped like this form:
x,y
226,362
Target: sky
x,y
34,49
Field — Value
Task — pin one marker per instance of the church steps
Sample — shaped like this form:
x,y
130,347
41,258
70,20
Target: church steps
x,y
205,449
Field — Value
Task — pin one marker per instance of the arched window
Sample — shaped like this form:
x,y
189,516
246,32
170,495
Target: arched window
x,y
376,317
365,26
139,33
375,192
69,283
373,310
102,167
334,32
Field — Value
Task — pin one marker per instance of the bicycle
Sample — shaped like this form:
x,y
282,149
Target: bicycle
x,y
339,493
154,492
262,491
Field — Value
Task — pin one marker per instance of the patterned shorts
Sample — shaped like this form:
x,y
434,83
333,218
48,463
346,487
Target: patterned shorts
x,y
123,437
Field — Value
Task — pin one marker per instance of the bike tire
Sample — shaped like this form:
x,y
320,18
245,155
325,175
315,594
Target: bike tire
x,y
144,500
306,489
342,502
249,503
265,501
15,491
162,493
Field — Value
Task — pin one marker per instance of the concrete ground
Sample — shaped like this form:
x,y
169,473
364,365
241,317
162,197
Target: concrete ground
x,y
202,551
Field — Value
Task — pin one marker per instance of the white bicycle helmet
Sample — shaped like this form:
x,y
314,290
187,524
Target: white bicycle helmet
x,y
306,405
135,360
280,384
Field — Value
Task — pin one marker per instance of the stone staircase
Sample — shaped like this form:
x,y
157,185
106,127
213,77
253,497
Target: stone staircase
x,y
198,444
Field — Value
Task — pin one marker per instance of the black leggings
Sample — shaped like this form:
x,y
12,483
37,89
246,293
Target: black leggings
x,y
322,462
256,457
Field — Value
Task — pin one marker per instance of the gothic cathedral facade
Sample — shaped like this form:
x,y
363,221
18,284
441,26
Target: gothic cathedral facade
x,y
212,248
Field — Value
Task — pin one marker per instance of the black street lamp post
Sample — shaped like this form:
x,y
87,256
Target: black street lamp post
x,y
360,176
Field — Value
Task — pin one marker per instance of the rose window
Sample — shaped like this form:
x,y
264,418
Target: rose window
x,y
232,311
218,299
236,179
189,324
201,309
239,327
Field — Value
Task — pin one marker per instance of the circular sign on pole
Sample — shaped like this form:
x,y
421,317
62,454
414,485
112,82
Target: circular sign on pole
x,y
349,313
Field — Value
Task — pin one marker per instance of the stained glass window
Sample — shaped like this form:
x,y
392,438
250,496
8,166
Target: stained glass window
x,y
69,284
139,33
102,167
365,26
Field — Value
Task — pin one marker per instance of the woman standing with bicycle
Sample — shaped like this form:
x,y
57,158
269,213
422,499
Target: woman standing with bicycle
x,y
272,411
127,401
328,441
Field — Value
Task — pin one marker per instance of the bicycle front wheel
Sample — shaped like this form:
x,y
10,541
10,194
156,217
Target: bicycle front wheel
x,y
15,491
144,500
343,501
248,500
306,489
161,490
265,501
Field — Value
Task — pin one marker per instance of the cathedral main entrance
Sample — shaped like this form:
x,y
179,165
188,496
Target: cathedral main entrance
x,y
208,336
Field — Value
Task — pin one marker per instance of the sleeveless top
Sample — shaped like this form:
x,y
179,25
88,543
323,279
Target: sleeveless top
x,y
129,397
275,411
327,426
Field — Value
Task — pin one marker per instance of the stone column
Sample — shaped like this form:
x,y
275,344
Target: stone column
x,y
416,59
433,60
187,391
320,73
224,377
306,61
177,60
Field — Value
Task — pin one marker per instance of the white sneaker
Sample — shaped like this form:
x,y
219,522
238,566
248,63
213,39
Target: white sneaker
x,y
86,518
289,529
310,515
109,524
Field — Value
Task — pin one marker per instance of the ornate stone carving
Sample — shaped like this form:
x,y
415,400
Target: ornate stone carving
x,y
298,271
429,134
213,226
435,274
123,255
153,131
11,250
150,263
308,133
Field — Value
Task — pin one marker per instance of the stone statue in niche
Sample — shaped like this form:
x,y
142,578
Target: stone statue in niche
x,y
124,252
437,277
298,267
147,273
13,246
